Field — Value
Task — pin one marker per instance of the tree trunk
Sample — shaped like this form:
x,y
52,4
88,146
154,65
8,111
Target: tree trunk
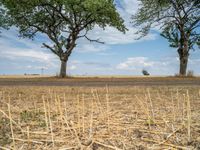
x,y
183,65
63,68
183,54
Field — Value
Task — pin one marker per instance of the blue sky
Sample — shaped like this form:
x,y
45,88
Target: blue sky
x,y
121,55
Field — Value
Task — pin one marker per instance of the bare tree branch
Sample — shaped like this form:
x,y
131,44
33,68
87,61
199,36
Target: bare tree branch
x,y
97,41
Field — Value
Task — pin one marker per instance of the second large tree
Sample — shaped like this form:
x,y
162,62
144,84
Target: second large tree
x,y
63,21
179,21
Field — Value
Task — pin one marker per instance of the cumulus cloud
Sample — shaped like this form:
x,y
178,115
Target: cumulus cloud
x,y
18,50
90,67
163,66
96,64
72,67
127,7
88,48
194,61
134,63
112,36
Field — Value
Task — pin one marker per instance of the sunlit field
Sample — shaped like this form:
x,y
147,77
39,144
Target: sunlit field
x,y
99,75
100,118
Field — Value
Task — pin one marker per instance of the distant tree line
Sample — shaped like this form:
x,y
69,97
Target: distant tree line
x,y
66,21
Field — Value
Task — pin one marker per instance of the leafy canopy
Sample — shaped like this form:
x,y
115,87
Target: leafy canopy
x,y
175,18
4,19
63,21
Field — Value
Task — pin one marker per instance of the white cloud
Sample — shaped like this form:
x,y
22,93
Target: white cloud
x,y
128,6
112,36
194,61
32,67
72,67
163,66
160,66
89,67
11,37
16,53
15,49
88,47
135,63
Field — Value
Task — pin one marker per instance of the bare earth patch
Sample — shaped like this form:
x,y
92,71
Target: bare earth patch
x,y
100,118
99,81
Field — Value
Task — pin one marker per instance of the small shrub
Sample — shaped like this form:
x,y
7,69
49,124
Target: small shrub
x,y
27,116
145,72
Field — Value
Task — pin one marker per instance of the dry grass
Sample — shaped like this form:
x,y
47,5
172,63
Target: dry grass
x,y
128,118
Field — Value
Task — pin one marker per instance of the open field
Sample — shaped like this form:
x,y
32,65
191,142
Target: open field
x,y
97,81
100,118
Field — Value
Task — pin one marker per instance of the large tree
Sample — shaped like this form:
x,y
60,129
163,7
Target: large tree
x,y
63,21
179,22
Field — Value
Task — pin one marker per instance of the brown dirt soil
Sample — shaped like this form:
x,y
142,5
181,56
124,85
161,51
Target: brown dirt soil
x,y
99,82
100,118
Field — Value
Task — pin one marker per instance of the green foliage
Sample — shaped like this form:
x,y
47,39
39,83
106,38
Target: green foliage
x,y
3,17
63,21
177,19
172,35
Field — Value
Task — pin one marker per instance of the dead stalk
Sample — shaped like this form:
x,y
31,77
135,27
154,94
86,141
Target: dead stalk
x,y
61,116
98,101
166,144
108,108
91,121
45,113
188,117
178,100
83,113
143,107
81,122
28,135
11,123
4,148
107,146
183,108
50,124
78,109
151,104
173,108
